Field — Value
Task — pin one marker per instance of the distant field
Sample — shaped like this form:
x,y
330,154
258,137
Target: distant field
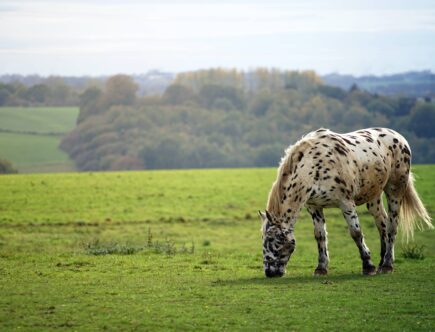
x,y
29,137
181,250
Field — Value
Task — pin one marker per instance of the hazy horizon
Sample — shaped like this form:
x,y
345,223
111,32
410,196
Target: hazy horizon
x,y
75,38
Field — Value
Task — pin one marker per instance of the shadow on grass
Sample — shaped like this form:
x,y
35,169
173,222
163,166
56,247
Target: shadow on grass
x,y
288,280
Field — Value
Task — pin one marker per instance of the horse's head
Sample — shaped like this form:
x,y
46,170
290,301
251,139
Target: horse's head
x,y
278,245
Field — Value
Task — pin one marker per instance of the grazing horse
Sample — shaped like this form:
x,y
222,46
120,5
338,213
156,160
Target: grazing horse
x,y
326,169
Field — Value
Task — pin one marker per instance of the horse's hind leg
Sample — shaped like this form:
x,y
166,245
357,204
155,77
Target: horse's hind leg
x,y
349,213
377,210
394,198
322,241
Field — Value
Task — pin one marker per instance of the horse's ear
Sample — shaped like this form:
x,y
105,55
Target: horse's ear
x,y
263,216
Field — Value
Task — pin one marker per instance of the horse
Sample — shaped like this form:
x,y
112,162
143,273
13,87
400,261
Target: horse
x,y
326,169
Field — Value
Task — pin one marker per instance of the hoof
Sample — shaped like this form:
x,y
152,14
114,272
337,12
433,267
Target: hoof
x,y
320,272
370,271
385,269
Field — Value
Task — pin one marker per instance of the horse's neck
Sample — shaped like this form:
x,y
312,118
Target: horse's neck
x,y
294,197
290,212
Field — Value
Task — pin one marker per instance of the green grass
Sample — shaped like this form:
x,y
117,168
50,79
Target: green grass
x,y
31,150
30,137
42,120
104,251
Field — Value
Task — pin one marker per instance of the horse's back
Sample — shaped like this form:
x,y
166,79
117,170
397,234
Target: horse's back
x,y
361,163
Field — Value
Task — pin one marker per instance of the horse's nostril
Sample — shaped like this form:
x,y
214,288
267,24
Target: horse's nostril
x,y
269,273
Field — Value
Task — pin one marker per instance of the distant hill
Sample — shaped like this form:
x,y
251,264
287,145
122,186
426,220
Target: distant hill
x,y
206,118
411,84
228,118
150,83
418,84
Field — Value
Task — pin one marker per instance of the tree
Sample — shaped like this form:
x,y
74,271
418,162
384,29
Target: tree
x,y
90,102
4,96
261,103
405,105
332,92
422,120
38,93
380,106
6,167
177,94
120,90
209,93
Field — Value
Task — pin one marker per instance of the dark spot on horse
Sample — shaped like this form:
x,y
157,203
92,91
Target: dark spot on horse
x,y
406,150
347,141
340,150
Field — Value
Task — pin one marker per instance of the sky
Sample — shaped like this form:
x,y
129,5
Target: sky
x,y
104,37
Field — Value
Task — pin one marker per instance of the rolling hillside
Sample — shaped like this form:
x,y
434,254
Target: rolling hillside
x,y
29,137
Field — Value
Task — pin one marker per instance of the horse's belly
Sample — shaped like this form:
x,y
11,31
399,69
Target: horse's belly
x,y
366,197
372,180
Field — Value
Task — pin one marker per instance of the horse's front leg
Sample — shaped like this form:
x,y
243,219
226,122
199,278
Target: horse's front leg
x,y
322,241
349,213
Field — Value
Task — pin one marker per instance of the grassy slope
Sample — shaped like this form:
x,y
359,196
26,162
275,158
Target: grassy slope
x,y
36,152
38,119
29,150
49,282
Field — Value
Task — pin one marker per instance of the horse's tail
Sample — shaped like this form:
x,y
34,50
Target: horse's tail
x,y
412,211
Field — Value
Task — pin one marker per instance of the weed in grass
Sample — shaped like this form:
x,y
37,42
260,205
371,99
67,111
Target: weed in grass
x,y
166,247
208,258
413,251
97,248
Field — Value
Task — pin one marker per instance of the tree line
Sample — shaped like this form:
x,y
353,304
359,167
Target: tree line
x,y
35,90
230,118
52,92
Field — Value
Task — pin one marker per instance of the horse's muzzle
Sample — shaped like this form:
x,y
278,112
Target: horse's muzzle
x,y
273,271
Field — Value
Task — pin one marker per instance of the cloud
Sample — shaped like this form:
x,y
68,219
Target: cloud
x,y
159,30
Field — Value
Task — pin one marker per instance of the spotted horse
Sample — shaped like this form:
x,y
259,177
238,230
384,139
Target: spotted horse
x,y
326,169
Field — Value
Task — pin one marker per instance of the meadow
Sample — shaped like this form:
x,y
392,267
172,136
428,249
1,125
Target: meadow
x,y
30,137
181,250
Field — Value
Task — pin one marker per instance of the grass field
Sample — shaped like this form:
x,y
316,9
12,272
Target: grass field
x,y
181,250
30,137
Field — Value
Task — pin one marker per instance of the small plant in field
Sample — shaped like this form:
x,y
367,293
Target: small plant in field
x,y
413,251
208,258
167,247
206,243
97,248
187,250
